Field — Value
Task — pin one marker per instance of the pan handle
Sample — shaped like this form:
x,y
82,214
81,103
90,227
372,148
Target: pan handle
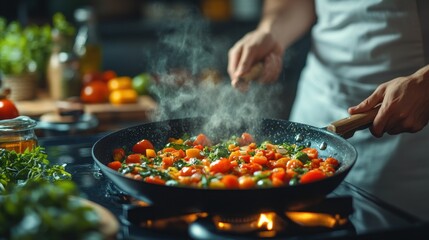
x,y
346,127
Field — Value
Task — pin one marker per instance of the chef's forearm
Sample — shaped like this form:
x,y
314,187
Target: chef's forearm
x,y
287,20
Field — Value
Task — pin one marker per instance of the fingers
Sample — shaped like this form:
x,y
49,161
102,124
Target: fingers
x,y
369,103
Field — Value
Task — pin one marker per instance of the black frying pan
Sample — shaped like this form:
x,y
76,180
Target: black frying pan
x,y
227,200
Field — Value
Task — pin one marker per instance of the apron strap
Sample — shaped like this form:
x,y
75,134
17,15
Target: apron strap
x,y
423,11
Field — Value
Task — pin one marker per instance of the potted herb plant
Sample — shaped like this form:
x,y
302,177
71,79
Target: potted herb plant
x,y
23,55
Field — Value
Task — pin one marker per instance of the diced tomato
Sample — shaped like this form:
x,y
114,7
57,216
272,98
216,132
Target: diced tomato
x,y
293,164
201,147
115,165
234,155
202,139
155,180
245,158
142,145
311,176
179,153
167,162
251,167
118,154
187,171
278,156
133,158
270,155
334,162
312,153
168,149
315,163
222,165
230,181
281,162
245,139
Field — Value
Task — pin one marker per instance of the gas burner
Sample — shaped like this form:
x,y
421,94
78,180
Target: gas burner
x,y
330,215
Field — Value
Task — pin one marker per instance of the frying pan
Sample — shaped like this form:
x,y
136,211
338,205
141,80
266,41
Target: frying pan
x,y
235,200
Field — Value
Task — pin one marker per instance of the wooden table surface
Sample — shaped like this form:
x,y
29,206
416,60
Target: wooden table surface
x,y
109,115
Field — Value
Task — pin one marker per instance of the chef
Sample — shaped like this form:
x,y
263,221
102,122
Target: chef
x,y
363,53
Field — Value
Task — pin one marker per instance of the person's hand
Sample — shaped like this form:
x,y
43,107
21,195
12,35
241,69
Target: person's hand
x,y
256,46
404,104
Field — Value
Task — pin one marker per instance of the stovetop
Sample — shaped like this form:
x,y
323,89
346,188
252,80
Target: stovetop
x,y
369,217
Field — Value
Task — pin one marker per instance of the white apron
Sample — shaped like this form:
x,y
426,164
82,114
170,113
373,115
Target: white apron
x,y
356,45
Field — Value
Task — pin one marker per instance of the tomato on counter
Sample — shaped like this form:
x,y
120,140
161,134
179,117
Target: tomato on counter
x,y
95,92
8,109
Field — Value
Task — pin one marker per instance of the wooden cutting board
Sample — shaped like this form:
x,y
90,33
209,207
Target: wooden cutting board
x,y
106,113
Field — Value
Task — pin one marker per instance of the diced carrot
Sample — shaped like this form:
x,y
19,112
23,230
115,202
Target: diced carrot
x,y
193,153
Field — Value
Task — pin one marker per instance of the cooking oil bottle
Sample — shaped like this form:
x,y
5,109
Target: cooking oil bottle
x,y
86,45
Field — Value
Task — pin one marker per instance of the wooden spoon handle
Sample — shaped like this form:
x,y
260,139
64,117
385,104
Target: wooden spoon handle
x,y
346,127
252,75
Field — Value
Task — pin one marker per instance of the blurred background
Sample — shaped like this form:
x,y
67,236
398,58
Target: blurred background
x,y
129,41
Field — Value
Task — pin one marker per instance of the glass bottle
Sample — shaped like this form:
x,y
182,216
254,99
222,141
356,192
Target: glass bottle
x,y
63,71
86,44
18,134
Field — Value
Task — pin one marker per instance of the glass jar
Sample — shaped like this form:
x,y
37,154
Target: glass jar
x,y
63,70
18,134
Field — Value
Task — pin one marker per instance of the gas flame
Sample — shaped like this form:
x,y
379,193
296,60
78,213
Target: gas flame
x,y
266,219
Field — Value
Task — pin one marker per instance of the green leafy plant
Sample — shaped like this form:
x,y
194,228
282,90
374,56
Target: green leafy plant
x,y
23,50
26,49
18,168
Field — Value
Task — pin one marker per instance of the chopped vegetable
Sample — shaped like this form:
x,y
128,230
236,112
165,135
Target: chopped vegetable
x,y
237,162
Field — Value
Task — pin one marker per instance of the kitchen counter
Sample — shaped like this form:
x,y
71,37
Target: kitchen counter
x,y
370,217
109,117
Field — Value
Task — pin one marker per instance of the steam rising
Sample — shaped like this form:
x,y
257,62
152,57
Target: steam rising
x,y
192,82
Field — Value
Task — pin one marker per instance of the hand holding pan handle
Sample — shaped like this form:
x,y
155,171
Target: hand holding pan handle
x,y
346,127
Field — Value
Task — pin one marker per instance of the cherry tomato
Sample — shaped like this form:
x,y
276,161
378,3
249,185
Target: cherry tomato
x,y
246,182
312,175
108,74
245,139
155,180
118,154
334,162
222,165
311,152
133,158
230,181
8,109
202,140
115,165
142,145
95,92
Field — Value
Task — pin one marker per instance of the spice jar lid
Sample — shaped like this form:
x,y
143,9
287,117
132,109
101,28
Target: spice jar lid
x,y
21,123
